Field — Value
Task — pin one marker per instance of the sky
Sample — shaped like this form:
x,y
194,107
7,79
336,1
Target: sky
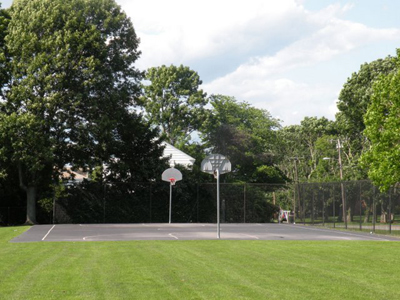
x,y
290,57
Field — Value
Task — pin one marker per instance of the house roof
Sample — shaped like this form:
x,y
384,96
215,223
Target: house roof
x,y
74,175
177,157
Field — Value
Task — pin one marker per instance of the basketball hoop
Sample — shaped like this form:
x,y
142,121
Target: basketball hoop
x,y
216,164
171,175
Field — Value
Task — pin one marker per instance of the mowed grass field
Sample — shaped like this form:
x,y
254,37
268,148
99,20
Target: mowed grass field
x,y
198,269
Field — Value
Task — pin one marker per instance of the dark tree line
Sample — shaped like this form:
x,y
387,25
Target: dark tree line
x,y
71,98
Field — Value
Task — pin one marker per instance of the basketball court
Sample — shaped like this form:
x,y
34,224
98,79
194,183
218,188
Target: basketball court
x,y
130,232
214,164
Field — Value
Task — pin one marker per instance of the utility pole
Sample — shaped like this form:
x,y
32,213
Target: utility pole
x,y
339,146
296,179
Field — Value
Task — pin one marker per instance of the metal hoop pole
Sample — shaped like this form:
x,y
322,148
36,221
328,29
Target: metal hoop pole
x,y
170,202
218,213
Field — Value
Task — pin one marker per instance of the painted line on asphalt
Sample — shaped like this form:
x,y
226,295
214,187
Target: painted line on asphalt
x,y
252,236
48,232
175,237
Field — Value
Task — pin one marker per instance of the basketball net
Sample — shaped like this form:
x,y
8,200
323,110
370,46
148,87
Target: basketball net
x,y
172,181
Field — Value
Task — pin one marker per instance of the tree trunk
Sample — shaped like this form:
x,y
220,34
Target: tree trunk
x,y
349,216
384,216
30,197
31,205
366,215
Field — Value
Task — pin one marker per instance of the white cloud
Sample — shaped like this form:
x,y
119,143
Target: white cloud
x,y
285,99
263,81
252,49
179,31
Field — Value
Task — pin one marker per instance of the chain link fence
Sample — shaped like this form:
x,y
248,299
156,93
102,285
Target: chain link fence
x,y
356,205
149,203
12,215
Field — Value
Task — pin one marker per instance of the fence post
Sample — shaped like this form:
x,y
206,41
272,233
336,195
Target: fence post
x,y
54,209
197,199
312,207
244,203
344,203
373,209
390,211
334,213
323,205
304,210
150,200
294,204
359,199
104,203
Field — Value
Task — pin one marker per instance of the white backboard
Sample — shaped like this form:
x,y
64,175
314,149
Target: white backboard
x,y
171,173
215,162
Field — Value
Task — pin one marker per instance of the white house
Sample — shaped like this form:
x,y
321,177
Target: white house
x,y
74,176
177,157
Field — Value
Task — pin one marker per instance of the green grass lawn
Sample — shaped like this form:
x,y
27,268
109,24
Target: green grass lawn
x,y
198,269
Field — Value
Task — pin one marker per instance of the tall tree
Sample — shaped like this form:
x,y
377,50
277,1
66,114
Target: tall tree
x,y
4,57
72,80
301,150
292,152
135,154
172,100
313,128
383,130
354,100
247,135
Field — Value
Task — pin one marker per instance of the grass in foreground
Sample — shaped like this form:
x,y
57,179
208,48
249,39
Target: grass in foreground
x,y
197,269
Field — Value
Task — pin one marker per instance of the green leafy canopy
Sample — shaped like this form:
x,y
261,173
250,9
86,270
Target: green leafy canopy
x,y
383,130
72,86
172,100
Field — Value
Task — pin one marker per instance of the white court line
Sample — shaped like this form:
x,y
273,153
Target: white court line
x,y
175,237
252,236
332,230
48,232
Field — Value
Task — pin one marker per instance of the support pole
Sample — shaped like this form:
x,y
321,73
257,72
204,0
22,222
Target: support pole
x,y
339,146
170,202
218,213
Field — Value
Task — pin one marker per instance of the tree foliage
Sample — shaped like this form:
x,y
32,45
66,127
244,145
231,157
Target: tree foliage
x,y
4,57
246,135
72,82
172,100
302,145
354,99
383,130
355,96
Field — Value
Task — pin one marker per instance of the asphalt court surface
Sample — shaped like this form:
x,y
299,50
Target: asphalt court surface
x,y
129,232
